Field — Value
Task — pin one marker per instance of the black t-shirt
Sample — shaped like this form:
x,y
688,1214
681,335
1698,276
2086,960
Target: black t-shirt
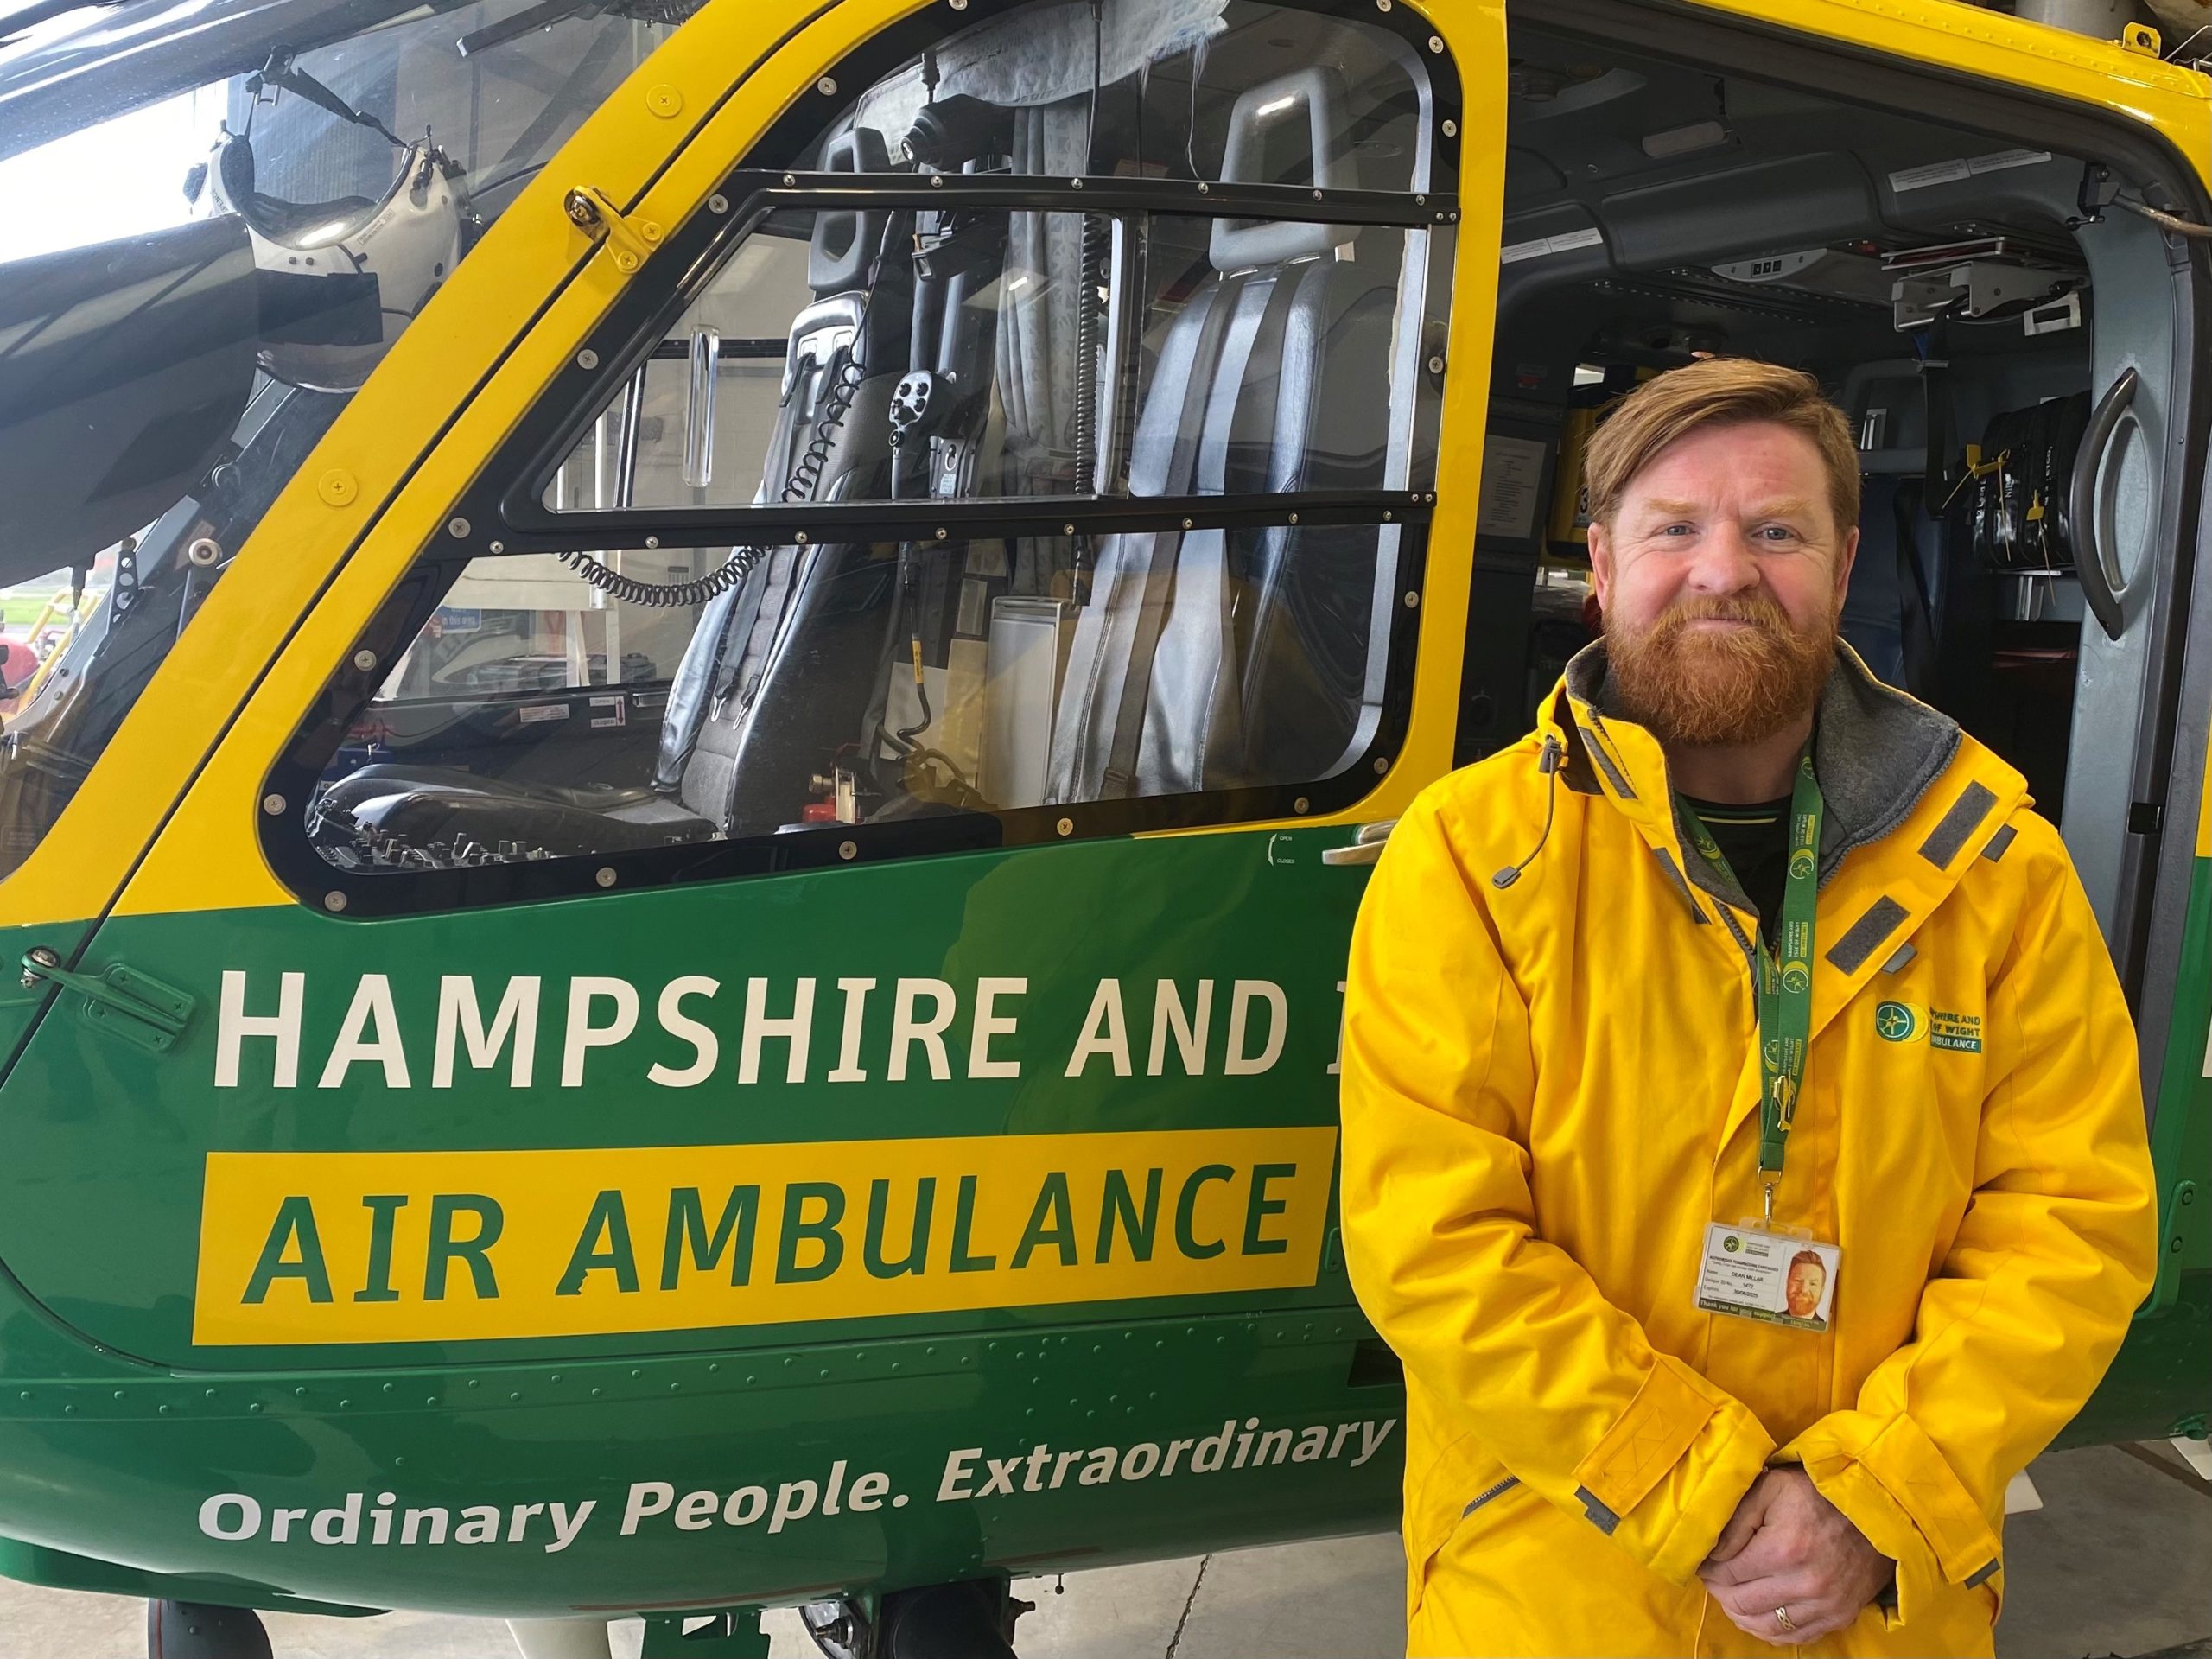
x,y
1755,840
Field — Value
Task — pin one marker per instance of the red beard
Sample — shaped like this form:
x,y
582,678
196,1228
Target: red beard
x,y
1735,686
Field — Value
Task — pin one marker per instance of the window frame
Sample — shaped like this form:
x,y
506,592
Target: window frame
x,y
509,494
501,513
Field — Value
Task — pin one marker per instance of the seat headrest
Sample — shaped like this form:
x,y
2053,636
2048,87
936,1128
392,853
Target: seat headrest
x,y
1273,126
844,239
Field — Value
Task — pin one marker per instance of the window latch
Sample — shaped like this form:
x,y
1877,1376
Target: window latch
x,y
134,1007
591,212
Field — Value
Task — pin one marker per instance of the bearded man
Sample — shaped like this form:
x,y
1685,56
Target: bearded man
x,y
1639,1015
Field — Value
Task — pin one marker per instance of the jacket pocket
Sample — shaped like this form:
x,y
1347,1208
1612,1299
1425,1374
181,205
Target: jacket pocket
x,y
1466,1481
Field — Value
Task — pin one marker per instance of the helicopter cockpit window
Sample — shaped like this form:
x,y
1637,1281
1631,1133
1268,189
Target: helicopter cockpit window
x,y
942,357
985,320
538,715
1042,449
208,246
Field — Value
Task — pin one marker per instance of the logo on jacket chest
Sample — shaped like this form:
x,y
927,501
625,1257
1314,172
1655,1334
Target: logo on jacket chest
x,y
1907,1022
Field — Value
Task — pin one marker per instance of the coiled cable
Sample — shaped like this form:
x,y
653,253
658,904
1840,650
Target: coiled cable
x,y
1098,234
1097,237
845,375
665,595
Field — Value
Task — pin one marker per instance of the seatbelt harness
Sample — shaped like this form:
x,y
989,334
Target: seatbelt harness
x,y
1784,978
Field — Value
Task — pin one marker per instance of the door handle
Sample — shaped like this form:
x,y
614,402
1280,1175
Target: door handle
x,y
2103,588
1366,847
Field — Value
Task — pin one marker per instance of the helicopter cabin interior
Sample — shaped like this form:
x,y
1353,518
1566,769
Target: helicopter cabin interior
x,y
2008,329
2006,334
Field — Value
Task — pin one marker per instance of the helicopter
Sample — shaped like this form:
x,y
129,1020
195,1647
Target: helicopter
x,y
681,911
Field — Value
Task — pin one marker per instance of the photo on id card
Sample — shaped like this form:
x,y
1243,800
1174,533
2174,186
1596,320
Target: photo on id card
x,y
1778,1277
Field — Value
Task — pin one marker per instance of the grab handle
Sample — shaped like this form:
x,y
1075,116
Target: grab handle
x,y
2103,586
699,410
1366,846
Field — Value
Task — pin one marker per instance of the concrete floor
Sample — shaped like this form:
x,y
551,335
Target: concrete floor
x,y
2118,1563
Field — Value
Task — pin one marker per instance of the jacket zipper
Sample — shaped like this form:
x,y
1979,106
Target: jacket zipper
x,y
1498,1490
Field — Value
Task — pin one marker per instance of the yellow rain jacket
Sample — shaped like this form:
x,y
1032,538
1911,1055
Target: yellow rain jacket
x,y
1551,1088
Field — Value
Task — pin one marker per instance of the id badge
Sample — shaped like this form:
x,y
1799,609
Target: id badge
x,y
1781,1278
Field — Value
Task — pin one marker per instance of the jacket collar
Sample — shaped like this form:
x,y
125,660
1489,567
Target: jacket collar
x,y
1912,803
1876,751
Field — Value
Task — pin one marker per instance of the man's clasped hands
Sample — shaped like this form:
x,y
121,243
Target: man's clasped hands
x,y
1788,1547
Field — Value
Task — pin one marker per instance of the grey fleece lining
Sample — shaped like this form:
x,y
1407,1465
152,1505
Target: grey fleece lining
x,y
1875,750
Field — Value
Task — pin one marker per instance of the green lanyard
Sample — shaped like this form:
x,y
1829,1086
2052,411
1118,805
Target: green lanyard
x,y
1785,985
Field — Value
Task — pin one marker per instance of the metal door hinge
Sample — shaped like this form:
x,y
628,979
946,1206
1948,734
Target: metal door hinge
x,y
591,212
137,1009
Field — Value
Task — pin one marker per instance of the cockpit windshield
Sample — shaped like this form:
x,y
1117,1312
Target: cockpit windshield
x,y
214,221
1104,344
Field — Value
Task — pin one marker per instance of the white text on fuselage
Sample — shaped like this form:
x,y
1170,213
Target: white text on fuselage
x,y
676,1034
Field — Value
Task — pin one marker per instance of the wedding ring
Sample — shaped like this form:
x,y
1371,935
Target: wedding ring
x,y
1782,1617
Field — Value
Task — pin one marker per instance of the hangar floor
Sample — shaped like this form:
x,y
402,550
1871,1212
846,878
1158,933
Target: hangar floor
x,y
2118,1563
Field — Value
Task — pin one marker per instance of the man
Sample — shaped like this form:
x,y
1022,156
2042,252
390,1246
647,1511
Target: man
x,y
1808,1277
1662,976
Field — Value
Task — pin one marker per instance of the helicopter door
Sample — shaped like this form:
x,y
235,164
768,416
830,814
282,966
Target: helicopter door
x,y
901,551
662,946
